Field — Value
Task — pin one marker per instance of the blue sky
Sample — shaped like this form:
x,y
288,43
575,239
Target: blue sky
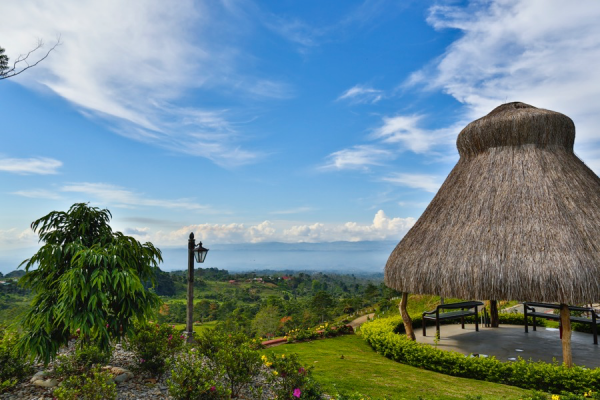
x,y
259,121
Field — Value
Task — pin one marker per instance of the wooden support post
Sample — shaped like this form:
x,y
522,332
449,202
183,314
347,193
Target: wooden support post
x,y
565,321
495,318
408,327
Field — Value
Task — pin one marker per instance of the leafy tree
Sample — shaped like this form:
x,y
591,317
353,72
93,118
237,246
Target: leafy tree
x,y
266,321
85,277
321,303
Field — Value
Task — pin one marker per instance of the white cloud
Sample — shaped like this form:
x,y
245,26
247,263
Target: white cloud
x,y
362,94
381,228
429,183
120,197
29,166
404,130
545,53
358,157
131,62
15,238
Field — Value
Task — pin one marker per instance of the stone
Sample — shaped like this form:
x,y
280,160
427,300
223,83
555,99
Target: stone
x,y
48,383
40,375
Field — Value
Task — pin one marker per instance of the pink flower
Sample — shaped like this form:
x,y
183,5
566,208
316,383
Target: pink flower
x,y
107,325
301,371
212,388
142,360
170,337
297,393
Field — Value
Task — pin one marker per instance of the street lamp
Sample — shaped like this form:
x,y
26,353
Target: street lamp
x,y
198,252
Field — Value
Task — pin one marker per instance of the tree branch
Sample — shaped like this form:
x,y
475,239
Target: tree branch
x,y
16,69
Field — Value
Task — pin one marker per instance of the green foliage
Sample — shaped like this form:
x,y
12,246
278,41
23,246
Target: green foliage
x,y
12,367
85,277
93,385
192,378
153,344
266,321
291,379
3,62
85,356
232,353
552,378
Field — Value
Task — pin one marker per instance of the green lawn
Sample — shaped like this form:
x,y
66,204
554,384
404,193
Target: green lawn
x,y
198,328
364,371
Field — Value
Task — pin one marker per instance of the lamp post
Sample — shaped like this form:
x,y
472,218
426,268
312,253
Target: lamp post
x,y
198,252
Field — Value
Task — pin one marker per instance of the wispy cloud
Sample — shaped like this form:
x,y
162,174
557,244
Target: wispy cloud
x,y
298,210
120,197
358,157
133,62
361,94
30,166
38,194
503,56
429,183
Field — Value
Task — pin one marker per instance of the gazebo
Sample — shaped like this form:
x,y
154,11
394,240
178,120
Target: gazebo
x,y
518,218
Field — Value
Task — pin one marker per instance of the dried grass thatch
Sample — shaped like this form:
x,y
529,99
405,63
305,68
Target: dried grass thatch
x,y
518,218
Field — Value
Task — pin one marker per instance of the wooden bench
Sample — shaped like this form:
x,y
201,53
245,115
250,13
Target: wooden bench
x,y
466,308
529,311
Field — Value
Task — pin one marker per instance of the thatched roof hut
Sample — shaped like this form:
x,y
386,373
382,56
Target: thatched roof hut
x,y
518,218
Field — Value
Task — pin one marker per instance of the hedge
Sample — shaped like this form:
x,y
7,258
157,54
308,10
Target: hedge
x,y
553,378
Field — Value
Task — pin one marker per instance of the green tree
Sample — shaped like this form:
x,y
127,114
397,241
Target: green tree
x,y
321,303
85,277
266,321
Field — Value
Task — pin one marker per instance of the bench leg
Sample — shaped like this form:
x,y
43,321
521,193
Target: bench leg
x,y
526,320
462,322
437,328
424,327
534,323
476,321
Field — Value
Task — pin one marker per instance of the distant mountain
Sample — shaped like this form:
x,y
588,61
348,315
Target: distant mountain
x,y
343,257
15,274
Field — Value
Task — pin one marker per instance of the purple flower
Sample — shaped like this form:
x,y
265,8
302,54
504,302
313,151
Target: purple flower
x,y
297,393
142,360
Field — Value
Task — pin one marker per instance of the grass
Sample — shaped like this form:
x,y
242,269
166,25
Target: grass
x,y
363,370
198,328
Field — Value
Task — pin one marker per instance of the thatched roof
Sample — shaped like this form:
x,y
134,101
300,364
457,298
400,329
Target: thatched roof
x,y
518,218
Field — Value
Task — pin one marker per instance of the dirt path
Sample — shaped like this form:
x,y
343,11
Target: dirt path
x,y
360,320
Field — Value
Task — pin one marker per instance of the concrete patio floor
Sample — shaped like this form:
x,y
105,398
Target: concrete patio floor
x,y
510,341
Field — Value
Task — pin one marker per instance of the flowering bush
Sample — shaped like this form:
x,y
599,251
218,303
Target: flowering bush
x,y
325,330
153,344
292,381
192,377
93,385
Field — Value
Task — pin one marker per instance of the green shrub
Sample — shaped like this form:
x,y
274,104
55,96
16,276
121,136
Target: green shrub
x,y
93,385
552,378
153,344
193,378
13,367
85,356
291,379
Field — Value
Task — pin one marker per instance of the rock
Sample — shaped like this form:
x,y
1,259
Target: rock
x,y
49,383
40,375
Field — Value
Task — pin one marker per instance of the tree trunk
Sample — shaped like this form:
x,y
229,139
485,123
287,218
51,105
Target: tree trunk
x,y
494,317
410,333
565,323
